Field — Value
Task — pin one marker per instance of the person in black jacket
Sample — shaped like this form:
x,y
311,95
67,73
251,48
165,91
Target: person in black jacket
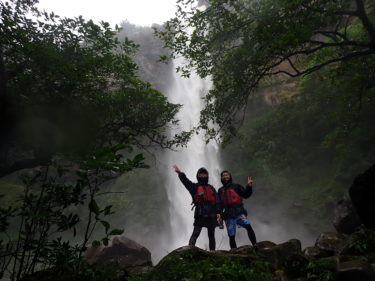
x,y
205,201
231,207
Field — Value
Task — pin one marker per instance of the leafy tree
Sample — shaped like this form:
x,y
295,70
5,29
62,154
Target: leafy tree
x,y
68,86
310,142
35,234
69,94
243,43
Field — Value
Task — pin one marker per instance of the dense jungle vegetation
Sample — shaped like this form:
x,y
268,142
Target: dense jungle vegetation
x,y
292,102
293,86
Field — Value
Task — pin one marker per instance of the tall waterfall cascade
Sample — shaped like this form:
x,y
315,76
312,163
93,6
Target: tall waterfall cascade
x,y
197,154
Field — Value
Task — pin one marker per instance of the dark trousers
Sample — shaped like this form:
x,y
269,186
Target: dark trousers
x,y
250,233
211,236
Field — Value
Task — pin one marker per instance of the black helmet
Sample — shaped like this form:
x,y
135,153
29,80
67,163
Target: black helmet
x,y
202,171
200,179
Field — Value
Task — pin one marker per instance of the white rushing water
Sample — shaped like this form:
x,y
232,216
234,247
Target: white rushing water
x,y
188,92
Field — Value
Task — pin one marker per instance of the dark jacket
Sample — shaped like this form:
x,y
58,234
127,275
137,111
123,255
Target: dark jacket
x,y
202,210
233,210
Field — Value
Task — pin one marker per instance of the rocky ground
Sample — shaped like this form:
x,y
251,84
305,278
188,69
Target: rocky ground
x,y
333,257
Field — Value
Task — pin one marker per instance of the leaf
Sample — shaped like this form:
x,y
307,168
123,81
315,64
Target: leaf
x,y
93,207
95,243
138,158
107,210
116,232
106,225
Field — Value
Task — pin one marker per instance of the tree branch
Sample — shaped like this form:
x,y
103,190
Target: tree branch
x,y
366,21
321,65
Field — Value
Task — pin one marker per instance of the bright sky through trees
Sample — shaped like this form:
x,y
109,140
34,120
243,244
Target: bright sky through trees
x,y
140,12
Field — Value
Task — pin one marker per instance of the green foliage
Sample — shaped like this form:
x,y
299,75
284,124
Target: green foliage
x,y
306,140
240,44
321,270
362,243
52,205
69,86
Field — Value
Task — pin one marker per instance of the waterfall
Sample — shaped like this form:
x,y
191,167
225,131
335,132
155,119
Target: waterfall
x,y
188,92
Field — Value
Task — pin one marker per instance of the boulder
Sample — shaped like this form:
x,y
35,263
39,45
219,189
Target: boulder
x,y
362,194
330,235
193,263
278,255
121,251
246,250
330,242
264,244
314,253
292,246
294,265
354,270
271,255
345,220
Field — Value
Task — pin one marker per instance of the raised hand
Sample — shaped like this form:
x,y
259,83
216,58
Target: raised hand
x,y
176,169
250,180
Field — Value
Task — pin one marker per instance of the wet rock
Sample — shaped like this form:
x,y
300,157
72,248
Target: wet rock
x,y
247,249
314,253
355,270
330,246
271,254
121,251
330,242
294,265
192,263
333,259
264,244
278,255
292,246
362,193
345,219
186,248
330,235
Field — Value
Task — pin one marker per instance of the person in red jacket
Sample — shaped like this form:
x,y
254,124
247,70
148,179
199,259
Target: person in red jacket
x,y
205,201
231,207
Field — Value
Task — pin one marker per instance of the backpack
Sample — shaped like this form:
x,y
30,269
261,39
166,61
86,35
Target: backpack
x,y
230,197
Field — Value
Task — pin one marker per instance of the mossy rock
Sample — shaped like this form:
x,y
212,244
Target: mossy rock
x,y
192,263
